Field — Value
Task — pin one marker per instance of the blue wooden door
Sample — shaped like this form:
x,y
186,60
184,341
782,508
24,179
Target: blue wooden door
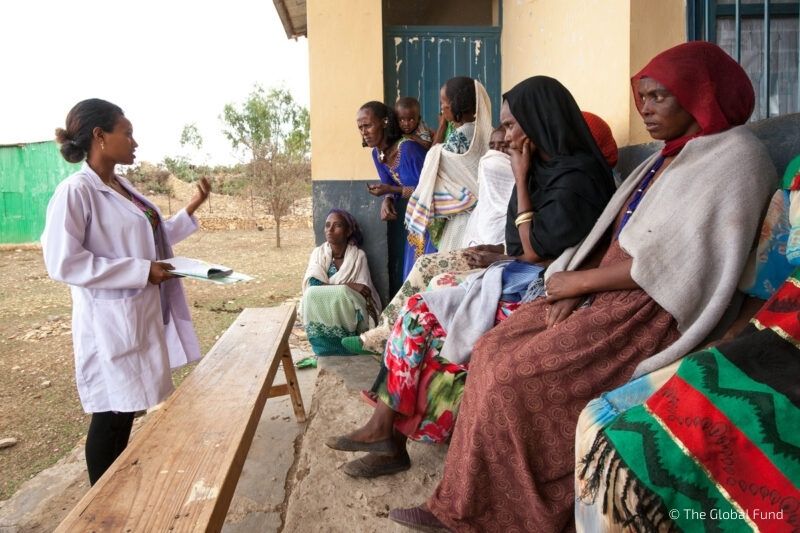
x,y
417,60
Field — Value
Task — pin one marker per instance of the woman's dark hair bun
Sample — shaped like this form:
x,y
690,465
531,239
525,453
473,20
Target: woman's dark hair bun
x,y
82,119
69,149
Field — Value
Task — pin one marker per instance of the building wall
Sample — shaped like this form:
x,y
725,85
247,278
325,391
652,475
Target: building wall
x,y
29,174
440,12
346,69
593,47
345,54
655,26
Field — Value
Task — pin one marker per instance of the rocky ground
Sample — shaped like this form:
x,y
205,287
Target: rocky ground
x,y
40,416
43,426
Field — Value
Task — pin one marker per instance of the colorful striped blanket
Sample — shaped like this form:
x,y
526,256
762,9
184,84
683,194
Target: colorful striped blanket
x,y
716,448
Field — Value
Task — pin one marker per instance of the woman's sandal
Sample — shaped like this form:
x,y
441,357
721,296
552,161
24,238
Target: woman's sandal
x,y
345,444
373,465
368,397
417,518
354,346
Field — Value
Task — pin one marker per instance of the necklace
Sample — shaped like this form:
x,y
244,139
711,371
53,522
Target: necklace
x,y
639,194
384,155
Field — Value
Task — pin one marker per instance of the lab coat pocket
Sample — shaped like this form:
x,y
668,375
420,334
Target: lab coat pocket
x,y
125,331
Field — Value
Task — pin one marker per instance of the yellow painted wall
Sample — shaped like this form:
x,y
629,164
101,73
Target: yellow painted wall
x,y
592,47
346,69
655,26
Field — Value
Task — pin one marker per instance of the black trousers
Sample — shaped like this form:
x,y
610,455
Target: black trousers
x,y
108,436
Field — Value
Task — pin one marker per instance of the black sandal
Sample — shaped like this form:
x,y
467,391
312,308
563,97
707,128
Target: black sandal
x,y
363,467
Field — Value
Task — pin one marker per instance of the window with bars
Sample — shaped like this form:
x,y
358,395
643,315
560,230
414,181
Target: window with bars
x,y
763,37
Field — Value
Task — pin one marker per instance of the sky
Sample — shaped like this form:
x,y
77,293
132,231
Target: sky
x,y
166,63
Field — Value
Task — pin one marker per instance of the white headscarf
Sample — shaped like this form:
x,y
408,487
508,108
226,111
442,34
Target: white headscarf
x,y
448,183
487,222
354,269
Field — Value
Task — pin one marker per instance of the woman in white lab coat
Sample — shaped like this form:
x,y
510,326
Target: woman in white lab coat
x,y
130,320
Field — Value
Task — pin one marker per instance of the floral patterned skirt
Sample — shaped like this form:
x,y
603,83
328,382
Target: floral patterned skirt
x,y
424,389
426,268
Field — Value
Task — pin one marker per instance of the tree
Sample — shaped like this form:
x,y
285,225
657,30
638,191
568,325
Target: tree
x,y
151,178
273,130
284,179
190,136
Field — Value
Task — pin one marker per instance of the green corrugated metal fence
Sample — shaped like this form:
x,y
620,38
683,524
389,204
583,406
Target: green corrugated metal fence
x,y
29,174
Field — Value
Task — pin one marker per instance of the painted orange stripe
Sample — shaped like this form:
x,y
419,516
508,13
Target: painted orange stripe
x,y
738,467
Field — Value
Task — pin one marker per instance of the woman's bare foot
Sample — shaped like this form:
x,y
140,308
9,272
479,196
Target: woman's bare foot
x,y
378,428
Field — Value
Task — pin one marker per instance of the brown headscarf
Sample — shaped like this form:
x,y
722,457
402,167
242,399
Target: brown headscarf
x,y
707,82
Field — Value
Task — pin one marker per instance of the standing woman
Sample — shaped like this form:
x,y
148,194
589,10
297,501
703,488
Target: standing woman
x,y
448,184
398,161
130,320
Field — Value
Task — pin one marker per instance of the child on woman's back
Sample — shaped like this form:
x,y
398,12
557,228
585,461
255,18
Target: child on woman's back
x,y
407,110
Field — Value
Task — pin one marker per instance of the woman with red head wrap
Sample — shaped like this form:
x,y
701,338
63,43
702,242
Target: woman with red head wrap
x,y
649,282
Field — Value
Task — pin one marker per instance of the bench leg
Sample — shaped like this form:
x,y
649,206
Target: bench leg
x,y
292,384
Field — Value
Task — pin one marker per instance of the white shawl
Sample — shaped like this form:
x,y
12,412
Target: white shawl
x,y
448,182
354,269
690,236
487,222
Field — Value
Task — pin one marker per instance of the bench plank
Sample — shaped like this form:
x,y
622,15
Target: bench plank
x,y
180,470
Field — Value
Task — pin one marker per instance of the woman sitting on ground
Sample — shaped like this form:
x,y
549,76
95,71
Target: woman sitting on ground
x,y
649,283
564,184
679,416
339,299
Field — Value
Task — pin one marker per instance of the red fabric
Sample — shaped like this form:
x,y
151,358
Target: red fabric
x,y
707,82
724,451
601,132
780,312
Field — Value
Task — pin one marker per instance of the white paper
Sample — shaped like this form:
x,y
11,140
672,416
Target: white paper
x,y
186,266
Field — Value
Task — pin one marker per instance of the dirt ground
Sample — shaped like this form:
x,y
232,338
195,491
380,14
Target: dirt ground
x,y
38,400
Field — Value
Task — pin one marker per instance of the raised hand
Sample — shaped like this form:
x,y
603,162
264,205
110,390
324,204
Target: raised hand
x,y
203,190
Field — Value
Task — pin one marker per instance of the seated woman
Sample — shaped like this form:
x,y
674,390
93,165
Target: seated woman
x,y
487,221
398,161
649,282
455,265
339,299
623,435
564,184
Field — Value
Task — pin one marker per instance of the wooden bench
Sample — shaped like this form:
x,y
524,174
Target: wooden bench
x,y
180,470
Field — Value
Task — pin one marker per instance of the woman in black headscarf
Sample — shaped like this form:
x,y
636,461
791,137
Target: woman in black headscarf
x,y
557,162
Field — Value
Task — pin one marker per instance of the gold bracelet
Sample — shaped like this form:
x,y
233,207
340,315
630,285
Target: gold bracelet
x,y
523,218
407,192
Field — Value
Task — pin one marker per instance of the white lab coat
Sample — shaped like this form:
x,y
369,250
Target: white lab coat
x,y
101,244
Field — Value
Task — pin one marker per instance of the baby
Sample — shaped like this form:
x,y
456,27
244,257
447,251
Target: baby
x,y
407,110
